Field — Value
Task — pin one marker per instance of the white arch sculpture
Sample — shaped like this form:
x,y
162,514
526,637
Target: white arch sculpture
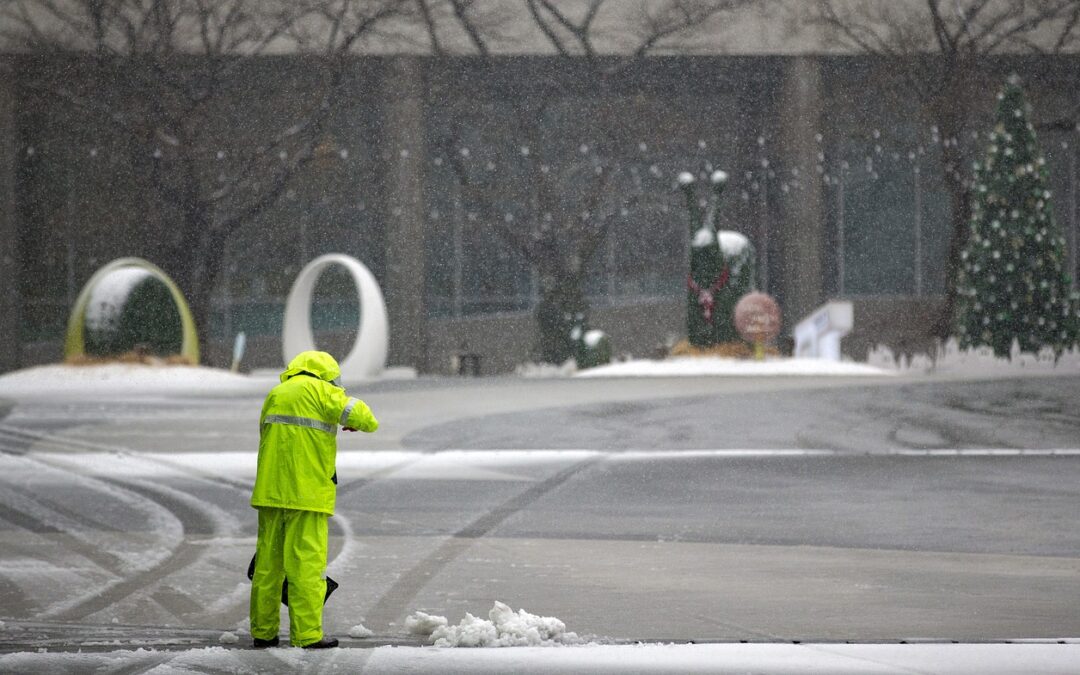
x,y
368,356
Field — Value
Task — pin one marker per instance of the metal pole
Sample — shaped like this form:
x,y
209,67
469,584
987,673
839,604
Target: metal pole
x,y
916,173
765,229
610,265
1073,217
70,208
459,253
303,243
840,231
227,298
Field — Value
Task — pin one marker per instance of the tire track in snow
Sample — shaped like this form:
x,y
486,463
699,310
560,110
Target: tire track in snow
x,y
68,540
397,600
184,555
191,518
11,594
65,538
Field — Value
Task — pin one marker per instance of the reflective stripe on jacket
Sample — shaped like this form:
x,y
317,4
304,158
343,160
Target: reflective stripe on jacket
x,y
298,435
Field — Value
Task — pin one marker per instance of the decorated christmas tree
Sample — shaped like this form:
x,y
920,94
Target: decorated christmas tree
x,y
721,268
1012,283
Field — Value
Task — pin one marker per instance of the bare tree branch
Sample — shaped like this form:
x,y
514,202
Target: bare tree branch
x,y
430,24
938,53
158,73
461,10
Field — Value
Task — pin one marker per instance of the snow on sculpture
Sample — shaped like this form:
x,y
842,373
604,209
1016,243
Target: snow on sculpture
x,y
367,359
110,313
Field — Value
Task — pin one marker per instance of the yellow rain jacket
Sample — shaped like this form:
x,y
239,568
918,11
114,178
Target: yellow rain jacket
x,y
298,435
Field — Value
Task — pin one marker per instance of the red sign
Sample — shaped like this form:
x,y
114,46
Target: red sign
x,y
757,317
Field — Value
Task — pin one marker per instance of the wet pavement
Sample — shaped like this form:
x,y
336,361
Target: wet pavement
x,y
705,509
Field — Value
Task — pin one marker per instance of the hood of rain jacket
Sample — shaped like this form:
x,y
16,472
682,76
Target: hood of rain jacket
x,y
319,364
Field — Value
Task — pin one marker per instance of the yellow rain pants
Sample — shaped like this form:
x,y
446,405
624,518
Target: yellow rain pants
x,y
291,545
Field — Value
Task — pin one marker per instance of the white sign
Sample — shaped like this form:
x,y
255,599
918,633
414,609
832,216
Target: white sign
x,y
368,356
818,335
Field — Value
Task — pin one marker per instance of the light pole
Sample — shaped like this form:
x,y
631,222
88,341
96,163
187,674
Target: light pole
x,y
1073,216
764,225
840,270
459,259
916,174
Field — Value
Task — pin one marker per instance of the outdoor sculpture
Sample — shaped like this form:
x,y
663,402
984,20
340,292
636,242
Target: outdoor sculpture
x,y
367,359
721,270
108,315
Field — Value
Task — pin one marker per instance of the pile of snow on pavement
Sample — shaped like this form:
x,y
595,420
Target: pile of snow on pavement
x,y
422,623
503,628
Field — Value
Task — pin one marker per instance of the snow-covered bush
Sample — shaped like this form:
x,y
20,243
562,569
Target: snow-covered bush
x,y
591,347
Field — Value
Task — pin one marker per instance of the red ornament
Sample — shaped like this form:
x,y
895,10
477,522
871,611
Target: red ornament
x,y
706,295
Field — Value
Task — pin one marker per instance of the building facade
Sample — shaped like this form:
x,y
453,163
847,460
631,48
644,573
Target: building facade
x,y
835,176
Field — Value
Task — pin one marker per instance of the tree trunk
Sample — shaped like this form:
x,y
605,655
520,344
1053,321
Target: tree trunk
x,y
196,264
951,123
960,201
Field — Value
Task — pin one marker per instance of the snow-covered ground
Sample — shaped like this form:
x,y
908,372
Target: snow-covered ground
x,y
881,361
128,379
715,366
706,366
977,362
133,380
767,658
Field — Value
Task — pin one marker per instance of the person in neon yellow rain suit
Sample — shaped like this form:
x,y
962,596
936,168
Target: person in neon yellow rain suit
x,y
294,492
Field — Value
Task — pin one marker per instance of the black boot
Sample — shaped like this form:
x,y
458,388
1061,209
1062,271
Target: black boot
x,y
259,643
325,643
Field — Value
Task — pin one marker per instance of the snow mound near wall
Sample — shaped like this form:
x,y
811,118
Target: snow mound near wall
x,y
726,367
128,379
977,361
503,628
